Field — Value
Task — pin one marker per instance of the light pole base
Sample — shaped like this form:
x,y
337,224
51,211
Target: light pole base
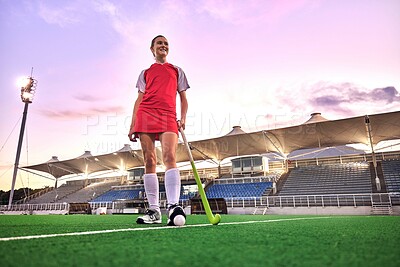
x,y
378,183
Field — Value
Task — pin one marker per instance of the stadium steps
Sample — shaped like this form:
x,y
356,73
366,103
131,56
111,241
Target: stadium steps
x,y
381,205
260,211
267,192
382,209
208,185
281,181
380,175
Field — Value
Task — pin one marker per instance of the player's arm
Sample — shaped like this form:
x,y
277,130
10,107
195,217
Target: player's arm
x,y
184,109
135,108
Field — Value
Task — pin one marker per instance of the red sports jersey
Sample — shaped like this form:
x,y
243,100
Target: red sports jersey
x,y
157,111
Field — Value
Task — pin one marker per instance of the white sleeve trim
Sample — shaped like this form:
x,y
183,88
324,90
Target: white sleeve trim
x,y
183,84
141,82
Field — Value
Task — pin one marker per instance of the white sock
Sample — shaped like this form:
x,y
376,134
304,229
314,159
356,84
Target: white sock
x,y
172,186
151,187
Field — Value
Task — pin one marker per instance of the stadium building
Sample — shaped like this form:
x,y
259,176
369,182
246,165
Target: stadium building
x,y
305,169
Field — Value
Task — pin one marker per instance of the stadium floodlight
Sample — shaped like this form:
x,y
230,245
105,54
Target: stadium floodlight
x,y
28,88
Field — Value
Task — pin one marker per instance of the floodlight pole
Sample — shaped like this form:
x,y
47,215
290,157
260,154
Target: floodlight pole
x,y
369,132
27,92
21,137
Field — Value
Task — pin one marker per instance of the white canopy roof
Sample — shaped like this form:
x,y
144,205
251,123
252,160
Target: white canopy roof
x,y
315,133
318,134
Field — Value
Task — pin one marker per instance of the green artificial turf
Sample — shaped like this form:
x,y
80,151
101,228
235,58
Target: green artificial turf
x,y
315,241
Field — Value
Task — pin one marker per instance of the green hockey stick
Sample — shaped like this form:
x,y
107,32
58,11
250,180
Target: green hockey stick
x,y
213,219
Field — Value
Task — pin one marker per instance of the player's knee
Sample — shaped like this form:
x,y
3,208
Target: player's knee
x,y
169,160
150,162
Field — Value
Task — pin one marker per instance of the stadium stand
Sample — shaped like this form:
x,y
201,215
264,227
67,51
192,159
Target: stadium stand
x,y
391,174
241,190
123,194
35,195
56,195
89,192
134,193
337,181
347,178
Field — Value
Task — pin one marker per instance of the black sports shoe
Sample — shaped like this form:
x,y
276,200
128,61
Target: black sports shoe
x,y
150,216
173,211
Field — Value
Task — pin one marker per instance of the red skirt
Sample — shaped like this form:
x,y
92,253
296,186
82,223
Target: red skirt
x,y
155,121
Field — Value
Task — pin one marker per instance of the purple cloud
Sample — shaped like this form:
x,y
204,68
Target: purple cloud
x,y
329,100
333,100
68,114
336,94
88,98
388,94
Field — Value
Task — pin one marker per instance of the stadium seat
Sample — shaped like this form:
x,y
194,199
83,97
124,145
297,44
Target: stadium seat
x,y
241,190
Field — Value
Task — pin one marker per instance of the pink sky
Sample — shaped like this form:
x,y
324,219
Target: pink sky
x,y
258,64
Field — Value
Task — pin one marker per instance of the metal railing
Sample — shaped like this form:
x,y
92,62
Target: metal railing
x,y
36,207
338,200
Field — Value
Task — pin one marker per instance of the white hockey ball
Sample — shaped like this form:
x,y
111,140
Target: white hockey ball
x,y
179,220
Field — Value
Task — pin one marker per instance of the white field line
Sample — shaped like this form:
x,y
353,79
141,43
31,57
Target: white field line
x,y
150,229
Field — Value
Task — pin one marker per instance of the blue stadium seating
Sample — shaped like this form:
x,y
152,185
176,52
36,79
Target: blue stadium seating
x,y
391,173
346,178
112,195
188,196
242,190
